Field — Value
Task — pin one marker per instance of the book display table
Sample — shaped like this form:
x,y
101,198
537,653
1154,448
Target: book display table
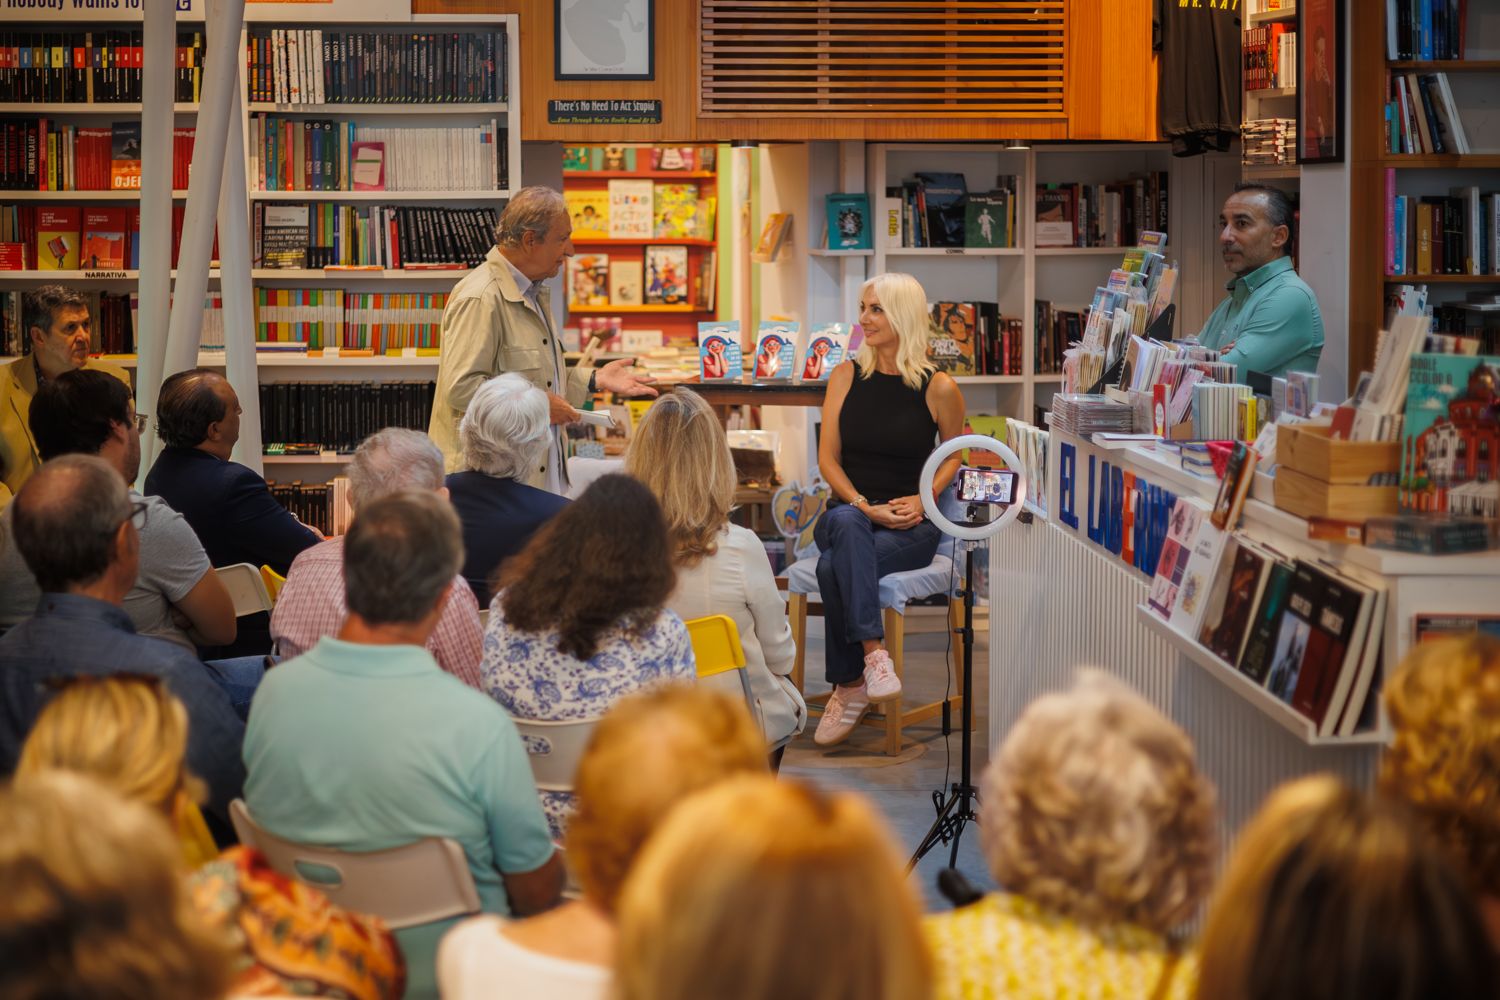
x,y
1070,589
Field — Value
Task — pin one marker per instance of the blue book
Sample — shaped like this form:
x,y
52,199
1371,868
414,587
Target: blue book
x,y
1399,267
1426,30
848,221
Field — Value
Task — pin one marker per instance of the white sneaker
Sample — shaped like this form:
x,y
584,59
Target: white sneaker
x,y
842,713
880,677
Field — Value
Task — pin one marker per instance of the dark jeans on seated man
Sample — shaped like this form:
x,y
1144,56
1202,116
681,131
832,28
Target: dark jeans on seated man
x,y
238,677
855,554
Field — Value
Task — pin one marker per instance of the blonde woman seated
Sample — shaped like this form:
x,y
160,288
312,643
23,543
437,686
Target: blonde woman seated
x,y
1332,894
1100,828
649,752
130,733
1444,704
680,452
765,890
92,904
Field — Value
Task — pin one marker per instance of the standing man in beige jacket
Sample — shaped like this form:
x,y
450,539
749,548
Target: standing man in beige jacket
x,y
499,319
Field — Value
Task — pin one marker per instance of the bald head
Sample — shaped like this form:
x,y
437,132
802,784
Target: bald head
x,y
67,521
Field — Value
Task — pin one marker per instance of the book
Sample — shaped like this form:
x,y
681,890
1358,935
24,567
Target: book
x,y
772,236
719,355
1237,589
577,158
849,226
125,156
666,275
368,170
1294,630
1054,217
944,196
1449,435
105,231
676,211
987,220
827,345
1255,659
1188,513
630,206
283,235
775,351
1235,487
1355,709
57,237
589,211
951,345
588,280
615,159
625,283
1334,644
332,66
337,416
1193,594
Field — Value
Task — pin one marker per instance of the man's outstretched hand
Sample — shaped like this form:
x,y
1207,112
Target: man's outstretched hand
x,y
619,377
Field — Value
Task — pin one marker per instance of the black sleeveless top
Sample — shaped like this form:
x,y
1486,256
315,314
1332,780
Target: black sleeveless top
x,y
886,433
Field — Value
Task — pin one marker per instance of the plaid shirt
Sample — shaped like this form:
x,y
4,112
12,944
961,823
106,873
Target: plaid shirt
x,y
311,605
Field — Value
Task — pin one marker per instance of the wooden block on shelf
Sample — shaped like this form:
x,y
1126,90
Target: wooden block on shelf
x,y
1300,494
1310,451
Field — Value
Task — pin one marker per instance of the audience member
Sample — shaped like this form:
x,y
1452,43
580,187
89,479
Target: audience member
x,y
680,452
131,734
176,595
364,744
649,752
581,621
93,905
311,603
504,434
57,323
1330,893
76,527
1100,827
1444,704
759,890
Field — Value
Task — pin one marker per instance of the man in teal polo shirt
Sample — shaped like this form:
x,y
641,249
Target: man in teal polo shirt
x,y
363,743
1270,322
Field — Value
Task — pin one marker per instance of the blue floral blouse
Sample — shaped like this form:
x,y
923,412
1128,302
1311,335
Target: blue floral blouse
x,y
531,679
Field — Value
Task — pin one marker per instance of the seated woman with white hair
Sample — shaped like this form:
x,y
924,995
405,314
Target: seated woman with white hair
x,y
504,433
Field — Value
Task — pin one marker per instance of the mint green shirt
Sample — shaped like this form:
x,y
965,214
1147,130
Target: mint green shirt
x,y
1272,318
371,747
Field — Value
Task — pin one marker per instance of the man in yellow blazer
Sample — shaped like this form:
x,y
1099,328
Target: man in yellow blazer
x,y
57,323
499,319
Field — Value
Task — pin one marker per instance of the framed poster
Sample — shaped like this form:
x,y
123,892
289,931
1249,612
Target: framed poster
x,y
1320,81
604,39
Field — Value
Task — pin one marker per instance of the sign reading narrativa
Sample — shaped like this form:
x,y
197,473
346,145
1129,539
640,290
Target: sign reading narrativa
x,y
95,9
604,112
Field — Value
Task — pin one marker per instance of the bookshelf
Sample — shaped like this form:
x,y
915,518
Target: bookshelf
x,y
1261,103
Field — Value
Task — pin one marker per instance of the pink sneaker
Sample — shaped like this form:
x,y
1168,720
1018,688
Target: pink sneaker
x,y
842,713
880,677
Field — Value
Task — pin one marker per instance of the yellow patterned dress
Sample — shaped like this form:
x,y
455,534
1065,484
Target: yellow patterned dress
x,y
1008,948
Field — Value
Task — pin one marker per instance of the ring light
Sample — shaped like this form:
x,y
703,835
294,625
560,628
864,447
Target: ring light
x,y
971,532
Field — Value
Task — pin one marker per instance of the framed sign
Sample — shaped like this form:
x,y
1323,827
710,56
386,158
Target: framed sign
x,y
1320,81
604,39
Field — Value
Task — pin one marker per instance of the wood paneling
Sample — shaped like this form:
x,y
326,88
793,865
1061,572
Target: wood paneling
x,y
1366,119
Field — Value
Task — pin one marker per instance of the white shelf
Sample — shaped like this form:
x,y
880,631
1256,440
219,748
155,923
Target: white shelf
x,y
215,359
446,275
385,196
53,108
822,252
476,108
1289,718
322,458
990,379
955,252
128,195
82,277
1268,16
1268,92
1082,251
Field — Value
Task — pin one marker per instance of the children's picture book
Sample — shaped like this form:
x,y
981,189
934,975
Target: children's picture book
x,y
944,194
675,212
775,351
952,342
105,231
673,158
630,205
666,275
614,158
576,158
125,156
625,283
1450,439
57,229
589,212
848,222
719,355
987,220
772,236
588,280
827,346
368,173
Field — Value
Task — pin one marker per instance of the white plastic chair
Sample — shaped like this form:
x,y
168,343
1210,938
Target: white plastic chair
x,y
247,589
555,748
406,886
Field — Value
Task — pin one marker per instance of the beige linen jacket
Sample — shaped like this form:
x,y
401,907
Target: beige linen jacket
x,y
18,454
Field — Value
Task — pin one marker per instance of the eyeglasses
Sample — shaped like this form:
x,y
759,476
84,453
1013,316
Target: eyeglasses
x,y
141,419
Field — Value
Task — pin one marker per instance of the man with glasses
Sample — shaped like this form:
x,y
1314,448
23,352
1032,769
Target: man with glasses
x,y
176,595
79,531
59,328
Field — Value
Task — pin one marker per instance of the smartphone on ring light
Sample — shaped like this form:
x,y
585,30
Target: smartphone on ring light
x,y
991,486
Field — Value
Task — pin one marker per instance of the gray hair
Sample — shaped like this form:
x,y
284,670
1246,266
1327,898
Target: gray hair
x,y
65,519
400,554
531,210
390,460
504,430
1279,210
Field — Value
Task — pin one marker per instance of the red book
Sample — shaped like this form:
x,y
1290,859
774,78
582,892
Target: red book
x,y
106,234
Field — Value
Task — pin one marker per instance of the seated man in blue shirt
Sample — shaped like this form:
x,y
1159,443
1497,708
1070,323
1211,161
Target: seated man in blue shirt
x,y
1270,322
76,528
364,744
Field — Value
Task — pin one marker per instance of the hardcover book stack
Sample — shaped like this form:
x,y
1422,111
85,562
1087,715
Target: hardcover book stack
x,y
377,322
41,154
89,67
1083,414
58,237
323,66
1268,141
337,416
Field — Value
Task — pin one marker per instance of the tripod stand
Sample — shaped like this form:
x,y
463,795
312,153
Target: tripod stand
x,y
956,810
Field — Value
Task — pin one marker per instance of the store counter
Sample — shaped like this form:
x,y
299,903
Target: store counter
x,y
1069,589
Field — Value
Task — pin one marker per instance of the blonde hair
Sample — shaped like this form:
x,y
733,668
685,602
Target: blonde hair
x,y
905,303
758,889
647,753
1444,704
1333,894
682,455
1095,809
94,904
130,733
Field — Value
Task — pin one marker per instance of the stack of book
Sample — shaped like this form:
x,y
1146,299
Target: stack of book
x,y
936,209
322,66
292,235
1425,29
42,154
1457,234
59,237
324,506
972,338
1224,411
337,416
1101,215
1269,56
379,322
1268,142
89,67
1422,117
304,154
1056,327
1083,414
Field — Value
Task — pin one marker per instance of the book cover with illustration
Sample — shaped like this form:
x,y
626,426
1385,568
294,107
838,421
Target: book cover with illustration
x,y
625,283
104,234
1187,515
1055,217
719,355
827,345
588,280
589,211
1294,631
849,222
57,228
944,195
674,158
614,158
576,158
630,203
675,213
666,275
1450,439
987,220
1237,589
125,156
775,351
951,345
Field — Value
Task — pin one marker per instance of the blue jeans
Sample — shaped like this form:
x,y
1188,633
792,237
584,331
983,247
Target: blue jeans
x,y
855,554
239,676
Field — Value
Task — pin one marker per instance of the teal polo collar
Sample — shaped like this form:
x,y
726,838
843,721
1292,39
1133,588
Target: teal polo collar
x,y
1260,275
364,660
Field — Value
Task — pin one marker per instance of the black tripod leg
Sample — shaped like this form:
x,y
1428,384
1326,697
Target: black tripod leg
x,y
936,834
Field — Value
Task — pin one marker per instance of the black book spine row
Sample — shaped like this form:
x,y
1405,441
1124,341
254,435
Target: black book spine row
x,y
323,66
339,415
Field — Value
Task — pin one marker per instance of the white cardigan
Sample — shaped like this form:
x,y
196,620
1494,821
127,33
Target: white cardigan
x,y
737,581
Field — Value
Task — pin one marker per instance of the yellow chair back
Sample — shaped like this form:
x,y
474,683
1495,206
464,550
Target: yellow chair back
x,y
274,582
716,644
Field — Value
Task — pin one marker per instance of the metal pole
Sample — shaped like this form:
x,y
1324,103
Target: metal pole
x,y
234,283
155,286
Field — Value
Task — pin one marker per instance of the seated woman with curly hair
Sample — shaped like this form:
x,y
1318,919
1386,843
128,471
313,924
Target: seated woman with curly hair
x,y
1100,826
581,620
1444,704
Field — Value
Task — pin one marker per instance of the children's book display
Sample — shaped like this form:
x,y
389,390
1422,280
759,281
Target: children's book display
x,y
719,356
826,347
775,351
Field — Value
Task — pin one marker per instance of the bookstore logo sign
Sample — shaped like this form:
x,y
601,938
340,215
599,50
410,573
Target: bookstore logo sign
x,y
1122,512
604,112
